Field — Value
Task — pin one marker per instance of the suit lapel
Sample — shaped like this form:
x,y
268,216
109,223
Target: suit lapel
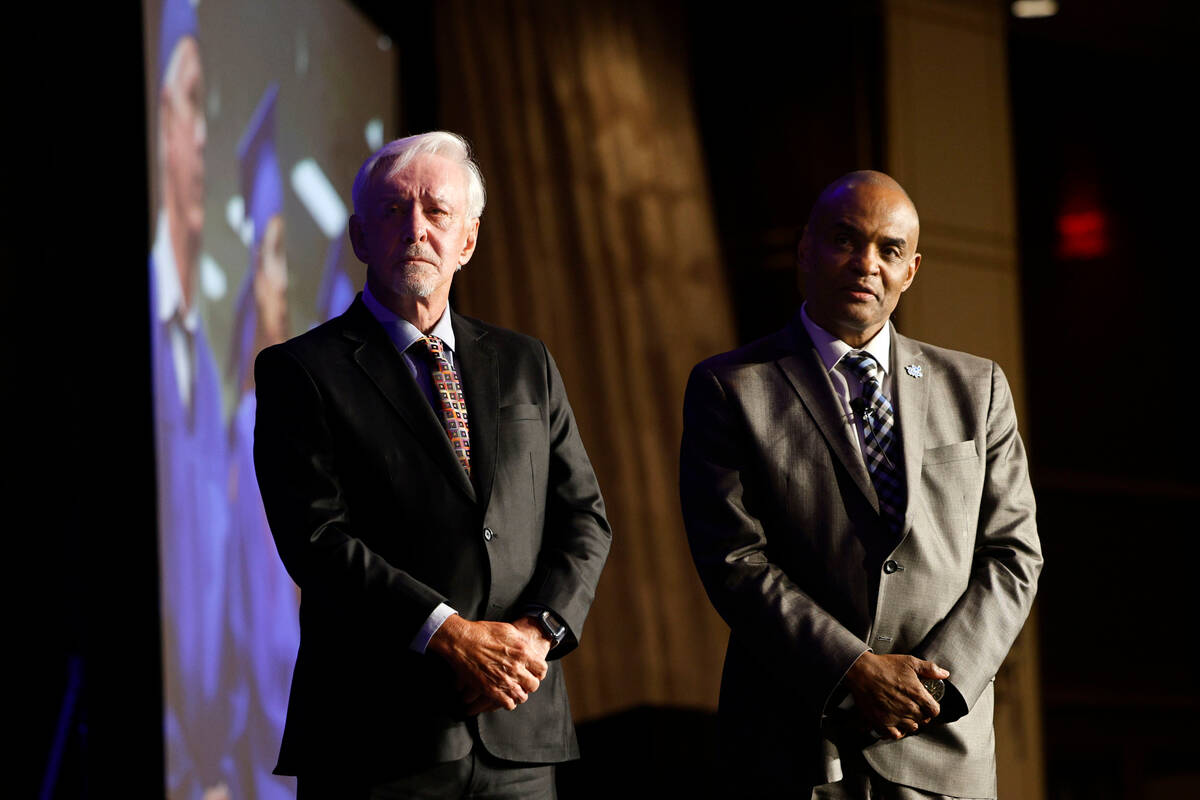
x,y
479,370
377,357
912,400
806,373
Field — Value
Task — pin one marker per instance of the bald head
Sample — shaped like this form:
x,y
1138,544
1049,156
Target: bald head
x,y
850,182
858,254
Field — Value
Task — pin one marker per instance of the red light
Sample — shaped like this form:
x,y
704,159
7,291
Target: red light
x,y
1082,234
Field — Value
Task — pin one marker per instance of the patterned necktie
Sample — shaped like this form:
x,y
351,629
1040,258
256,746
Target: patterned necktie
x,y
448,388
879,439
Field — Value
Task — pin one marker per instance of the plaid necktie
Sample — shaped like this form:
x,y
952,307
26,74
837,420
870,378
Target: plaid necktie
x,y
448,388
879,438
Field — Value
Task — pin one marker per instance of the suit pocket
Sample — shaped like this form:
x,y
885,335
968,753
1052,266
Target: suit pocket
x,y
519,411
960,451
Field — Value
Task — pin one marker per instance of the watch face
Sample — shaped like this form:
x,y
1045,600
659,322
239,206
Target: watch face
x,y
552,625
936,688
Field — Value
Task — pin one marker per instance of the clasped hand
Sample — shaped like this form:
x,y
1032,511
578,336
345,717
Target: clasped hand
x,y
888,693
496,664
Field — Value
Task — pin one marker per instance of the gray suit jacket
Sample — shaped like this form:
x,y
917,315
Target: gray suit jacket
x,y
784,527
377,522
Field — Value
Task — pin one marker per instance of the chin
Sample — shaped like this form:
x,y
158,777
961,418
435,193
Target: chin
x,y
407,286
417,282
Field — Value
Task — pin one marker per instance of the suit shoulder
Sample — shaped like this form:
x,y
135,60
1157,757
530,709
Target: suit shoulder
x,y
750,356
319,348
499,334
496,336
304,346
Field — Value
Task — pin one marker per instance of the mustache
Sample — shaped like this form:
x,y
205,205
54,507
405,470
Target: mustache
x,y
417,251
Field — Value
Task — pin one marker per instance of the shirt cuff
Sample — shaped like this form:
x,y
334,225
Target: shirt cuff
x,y
440,614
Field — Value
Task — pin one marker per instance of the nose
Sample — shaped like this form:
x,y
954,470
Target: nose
x,y
415,229
865,260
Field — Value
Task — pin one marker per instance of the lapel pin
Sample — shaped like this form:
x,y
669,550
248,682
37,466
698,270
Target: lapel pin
x,y
914,370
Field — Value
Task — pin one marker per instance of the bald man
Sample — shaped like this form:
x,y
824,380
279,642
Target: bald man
x,y
859,509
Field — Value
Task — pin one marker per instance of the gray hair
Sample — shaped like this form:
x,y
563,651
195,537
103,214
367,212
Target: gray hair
x,y
396,155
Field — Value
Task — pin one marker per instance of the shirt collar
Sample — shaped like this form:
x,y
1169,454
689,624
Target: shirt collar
x,y
402,332
166,280
831,349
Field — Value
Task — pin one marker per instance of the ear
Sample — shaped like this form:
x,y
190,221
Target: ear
x,y
358,239
469,248
913,266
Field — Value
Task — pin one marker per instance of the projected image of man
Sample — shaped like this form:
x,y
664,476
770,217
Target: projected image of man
x,y
189,433
263,600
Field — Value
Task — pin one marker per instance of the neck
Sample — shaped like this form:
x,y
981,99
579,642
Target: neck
x,y
853,337
422,312
858,339
186,249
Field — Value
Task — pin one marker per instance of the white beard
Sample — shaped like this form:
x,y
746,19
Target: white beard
x,y
418,280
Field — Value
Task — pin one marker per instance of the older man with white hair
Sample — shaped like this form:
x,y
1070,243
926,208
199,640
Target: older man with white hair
x,y
428,491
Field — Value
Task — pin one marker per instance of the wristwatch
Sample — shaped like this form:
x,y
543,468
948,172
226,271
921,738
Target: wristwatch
x,y
936,688
550,625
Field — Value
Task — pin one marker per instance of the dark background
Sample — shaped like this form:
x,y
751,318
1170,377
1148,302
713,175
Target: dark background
x,y
1101,113
1096,98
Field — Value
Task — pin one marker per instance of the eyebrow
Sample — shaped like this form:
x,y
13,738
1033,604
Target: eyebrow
x,y
846,225
388,195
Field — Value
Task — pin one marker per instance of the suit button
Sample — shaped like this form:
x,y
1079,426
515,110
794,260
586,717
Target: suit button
x,y
488,535
890,566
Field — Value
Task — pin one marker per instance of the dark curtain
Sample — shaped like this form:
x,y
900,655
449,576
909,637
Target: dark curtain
x,y
599,239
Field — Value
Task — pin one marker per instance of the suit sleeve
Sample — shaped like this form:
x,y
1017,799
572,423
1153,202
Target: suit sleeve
x,y
762,605
975,637
577,537
307,510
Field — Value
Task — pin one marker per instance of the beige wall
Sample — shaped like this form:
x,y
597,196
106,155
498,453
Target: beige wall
x,y
949,143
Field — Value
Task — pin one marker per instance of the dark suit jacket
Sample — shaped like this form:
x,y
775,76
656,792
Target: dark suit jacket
x,y
378,523
785,530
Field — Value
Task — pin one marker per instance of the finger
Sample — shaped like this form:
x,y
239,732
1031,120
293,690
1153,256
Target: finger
x,y
517,692
909,707
928,708
489,703
928,669
538,667
527,680
892,732
505,692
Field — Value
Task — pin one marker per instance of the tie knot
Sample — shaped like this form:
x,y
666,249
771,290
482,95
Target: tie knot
x,y
862,364
433,345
